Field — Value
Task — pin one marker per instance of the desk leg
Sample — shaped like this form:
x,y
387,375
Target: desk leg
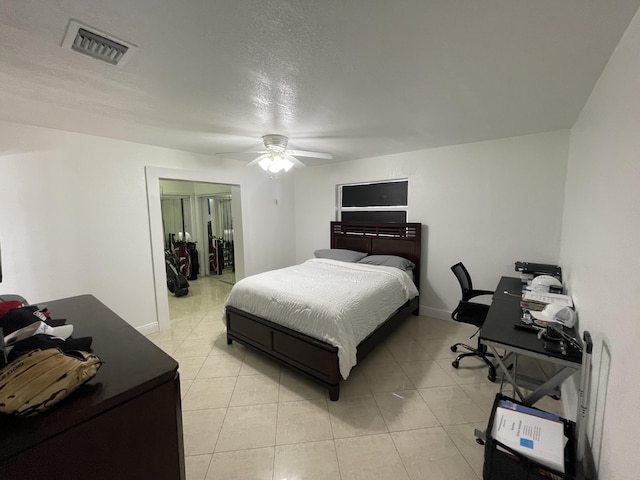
x,y
548,386
507,373
509,361
542,390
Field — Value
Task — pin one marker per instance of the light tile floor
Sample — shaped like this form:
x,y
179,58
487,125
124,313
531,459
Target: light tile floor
x,y
404,412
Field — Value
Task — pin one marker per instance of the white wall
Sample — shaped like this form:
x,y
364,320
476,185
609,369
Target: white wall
x,y
601,233
74,217
487,204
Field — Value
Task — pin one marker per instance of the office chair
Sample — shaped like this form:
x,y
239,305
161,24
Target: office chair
x,y
472,313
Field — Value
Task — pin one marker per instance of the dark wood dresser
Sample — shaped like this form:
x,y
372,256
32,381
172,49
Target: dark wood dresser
x,y
125,423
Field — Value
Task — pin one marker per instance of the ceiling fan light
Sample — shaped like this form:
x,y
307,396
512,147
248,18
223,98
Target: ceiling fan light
x,y
273,167
276,157
265,163
276,162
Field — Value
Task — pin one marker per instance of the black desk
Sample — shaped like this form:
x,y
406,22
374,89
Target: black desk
x,y
498,332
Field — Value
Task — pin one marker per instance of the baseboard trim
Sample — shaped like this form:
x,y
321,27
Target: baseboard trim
x,y
435,313
149,328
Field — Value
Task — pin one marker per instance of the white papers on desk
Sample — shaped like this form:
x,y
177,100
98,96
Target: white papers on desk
x,y
541,439
543,297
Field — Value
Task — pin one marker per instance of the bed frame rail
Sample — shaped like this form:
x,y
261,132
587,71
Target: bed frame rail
x,y
313,358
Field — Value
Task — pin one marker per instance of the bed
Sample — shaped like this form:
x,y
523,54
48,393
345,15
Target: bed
x,y
306,353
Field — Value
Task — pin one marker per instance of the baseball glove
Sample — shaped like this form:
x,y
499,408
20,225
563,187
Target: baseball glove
x,y
36,381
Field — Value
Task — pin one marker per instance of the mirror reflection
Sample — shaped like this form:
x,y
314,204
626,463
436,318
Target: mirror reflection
x,y
198,229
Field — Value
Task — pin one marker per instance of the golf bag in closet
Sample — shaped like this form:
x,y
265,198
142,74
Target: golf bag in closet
x,y
176,282
192,251
183,257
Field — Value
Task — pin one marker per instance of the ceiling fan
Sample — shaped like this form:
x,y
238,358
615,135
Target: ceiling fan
x,y
278,157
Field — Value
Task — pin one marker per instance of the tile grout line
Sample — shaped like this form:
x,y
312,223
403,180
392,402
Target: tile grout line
x,y
326,403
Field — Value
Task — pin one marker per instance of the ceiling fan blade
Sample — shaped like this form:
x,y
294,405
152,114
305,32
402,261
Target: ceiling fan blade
x,y
303,153
296,163
241,153
255,161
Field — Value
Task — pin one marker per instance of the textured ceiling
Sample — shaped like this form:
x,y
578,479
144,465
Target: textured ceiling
x,y
355,78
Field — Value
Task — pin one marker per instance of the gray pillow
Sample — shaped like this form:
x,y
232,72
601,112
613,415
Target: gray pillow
x,y
339,254
389,261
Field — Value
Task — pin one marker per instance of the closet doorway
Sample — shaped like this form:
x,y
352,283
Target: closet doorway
x,y
199,241
194,185
198,234
200,215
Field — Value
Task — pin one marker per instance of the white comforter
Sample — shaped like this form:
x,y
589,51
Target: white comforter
x,y
337,302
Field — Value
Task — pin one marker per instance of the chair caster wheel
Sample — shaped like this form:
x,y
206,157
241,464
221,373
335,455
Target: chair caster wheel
x,y
454,348
479,441
455,364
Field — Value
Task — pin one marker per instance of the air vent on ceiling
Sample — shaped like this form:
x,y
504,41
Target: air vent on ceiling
x,y
90,41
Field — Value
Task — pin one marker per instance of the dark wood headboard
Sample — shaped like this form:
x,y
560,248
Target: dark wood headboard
x,y
401,239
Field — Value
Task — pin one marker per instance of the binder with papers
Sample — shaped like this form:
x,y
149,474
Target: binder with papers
x,y
537,437
505,403
522,441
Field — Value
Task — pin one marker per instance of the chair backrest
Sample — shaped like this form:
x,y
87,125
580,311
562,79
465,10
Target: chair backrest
x,y
464,279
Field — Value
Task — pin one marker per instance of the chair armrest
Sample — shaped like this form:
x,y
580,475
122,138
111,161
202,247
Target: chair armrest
x,y
470,312
474,306
477,293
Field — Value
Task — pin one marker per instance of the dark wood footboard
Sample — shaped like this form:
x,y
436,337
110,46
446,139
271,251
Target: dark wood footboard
x,y
315,359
